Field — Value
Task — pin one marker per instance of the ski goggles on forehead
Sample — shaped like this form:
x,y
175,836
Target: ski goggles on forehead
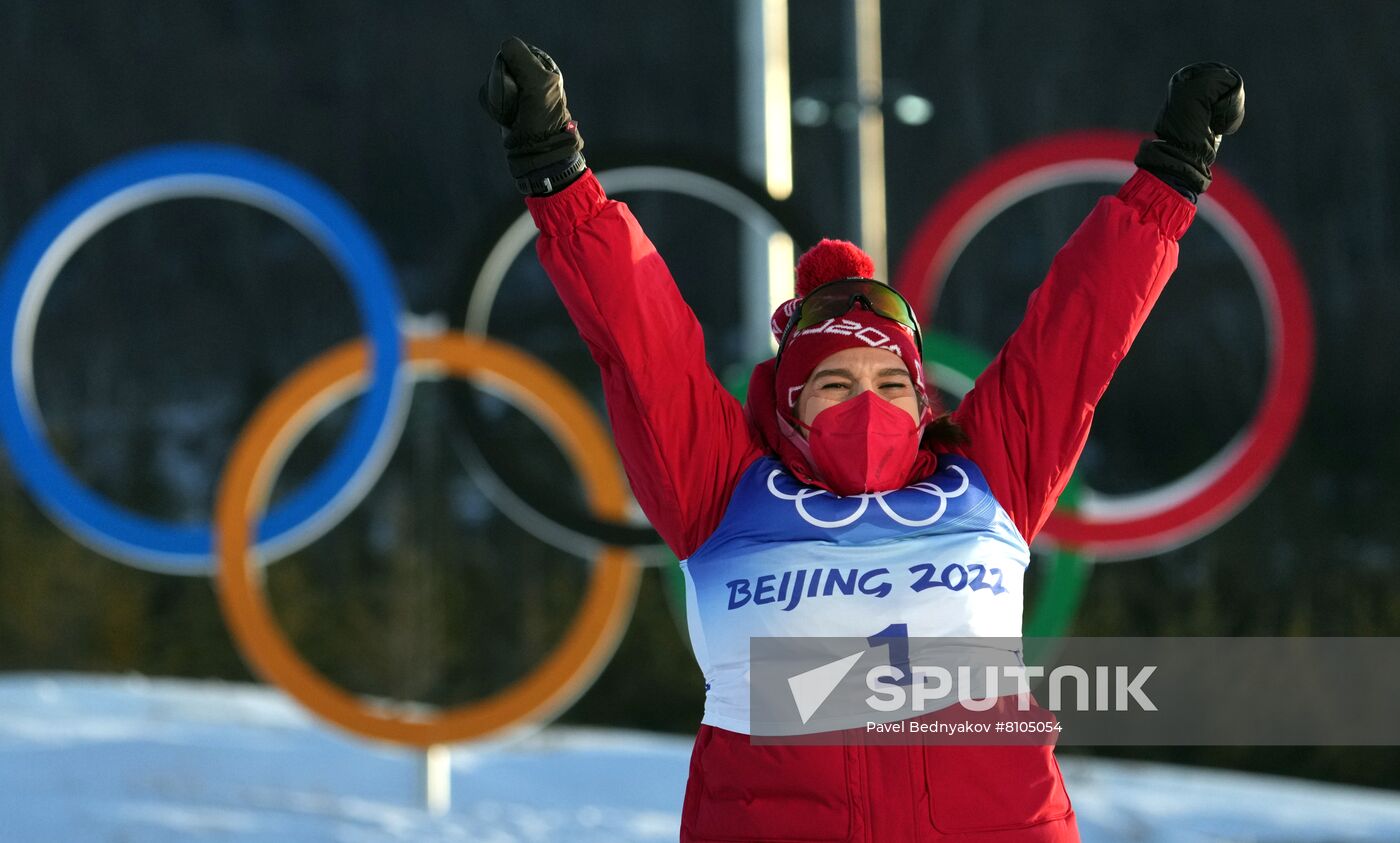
x,y
836,298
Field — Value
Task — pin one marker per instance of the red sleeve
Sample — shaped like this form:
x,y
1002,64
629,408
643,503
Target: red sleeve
x,y
684,440
1028,414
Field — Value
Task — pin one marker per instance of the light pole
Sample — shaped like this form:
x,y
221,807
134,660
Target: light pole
x,y
866,168
765,151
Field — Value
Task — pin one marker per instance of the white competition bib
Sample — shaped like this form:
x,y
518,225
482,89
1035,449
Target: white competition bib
x,y
939,557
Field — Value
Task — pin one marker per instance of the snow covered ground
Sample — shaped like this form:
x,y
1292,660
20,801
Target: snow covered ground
x,y
86,758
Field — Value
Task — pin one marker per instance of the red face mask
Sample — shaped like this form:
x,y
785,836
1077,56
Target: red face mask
x,y
863,444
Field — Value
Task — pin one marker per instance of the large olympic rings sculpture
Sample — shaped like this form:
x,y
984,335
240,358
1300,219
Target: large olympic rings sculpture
x,y
1179,512
386,362
381,366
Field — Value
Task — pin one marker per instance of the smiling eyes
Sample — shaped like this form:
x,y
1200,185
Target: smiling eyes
x,y
843,386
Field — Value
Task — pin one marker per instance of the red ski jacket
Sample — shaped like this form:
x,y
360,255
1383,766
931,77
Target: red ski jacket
x,y
685,442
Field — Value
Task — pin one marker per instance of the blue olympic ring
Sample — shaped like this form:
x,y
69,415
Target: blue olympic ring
x,y
205,171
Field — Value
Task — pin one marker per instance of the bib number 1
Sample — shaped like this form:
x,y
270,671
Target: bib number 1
x,y
895,637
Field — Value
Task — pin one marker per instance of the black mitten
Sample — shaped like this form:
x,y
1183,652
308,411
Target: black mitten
x,y
525,94
1204,102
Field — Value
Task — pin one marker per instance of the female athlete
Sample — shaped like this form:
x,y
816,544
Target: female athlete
x,y
769,504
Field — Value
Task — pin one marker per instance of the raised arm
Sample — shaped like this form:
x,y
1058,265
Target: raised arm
x,y
1028,414
684,440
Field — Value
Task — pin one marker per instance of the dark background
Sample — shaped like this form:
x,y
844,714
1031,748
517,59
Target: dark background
x,y
169,326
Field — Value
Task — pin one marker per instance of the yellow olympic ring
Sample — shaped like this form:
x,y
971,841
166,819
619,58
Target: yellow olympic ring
x,y
257,458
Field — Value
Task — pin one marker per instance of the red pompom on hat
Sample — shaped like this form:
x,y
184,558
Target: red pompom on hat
x,y
831,260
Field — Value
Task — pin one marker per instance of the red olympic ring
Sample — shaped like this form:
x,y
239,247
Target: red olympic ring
x,y
1193,505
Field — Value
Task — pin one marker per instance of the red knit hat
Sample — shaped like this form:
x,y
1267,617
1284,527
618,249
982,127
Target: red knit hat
x,y
834,260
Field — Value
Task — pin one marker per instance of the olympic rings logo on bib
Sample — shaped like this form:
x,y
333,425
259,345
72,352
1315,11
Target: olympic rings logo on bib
x,y
926,487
